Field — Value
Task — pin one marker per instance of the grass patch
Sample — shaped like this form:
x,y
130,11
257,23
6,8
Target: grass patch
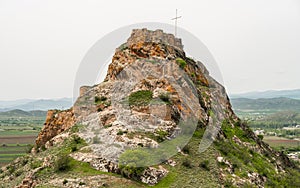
x,y
140,98
182,64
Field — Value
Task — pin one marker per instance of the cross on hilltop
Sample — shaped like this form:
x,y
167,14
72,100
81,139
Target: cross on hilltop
x,y
176,18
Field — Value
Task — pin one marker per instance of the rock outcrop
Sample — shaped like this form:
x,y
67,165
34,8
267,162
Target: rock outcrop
x,y
56,122
145,122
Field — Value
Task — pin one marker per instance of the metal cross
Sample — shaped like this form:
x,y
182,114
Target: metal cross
x,y
176,18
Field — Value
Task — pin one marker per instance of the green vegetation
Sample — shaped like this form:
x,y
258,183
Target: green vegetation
x,y
123,47
131,163
120,132
18,130
165,97
265,105
230,131
205,165
187,172
260,136
182,64
282,144
245,160
187,163
140,98
62,163
277,117
100,99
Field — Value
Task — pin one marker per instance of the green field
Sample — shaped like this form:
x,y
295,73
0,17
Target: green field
x,y
282,143
17,135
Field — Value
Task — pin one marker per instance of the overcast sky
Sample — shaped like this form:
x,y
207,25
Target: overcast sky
x,y
255,43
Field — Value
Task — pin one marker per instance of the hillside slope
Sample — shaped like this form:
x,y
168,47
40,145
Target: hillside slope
x,y
158,119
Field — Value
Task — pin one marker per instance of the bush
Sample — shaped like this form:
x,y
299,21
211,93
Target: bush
x,y
35,164
73,148
181,63
140,98
204,165
120,132
65,181
77,140
186,149
11,169
29,148
160,136
100,99
62,163
165,97
260,136
132,162
187,163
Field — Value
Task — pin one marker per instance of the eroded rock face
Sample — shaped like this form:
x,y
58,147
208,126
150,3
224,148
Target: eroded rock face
x,y
151,61
114,120
56,122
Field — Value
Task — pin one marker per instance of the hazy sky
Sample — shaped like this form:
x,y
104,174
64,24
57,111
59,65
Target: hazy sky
x,y
256,43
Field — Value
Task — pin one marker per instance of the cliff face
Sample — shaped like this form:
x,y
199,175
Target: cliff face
x,y
146,121
56,122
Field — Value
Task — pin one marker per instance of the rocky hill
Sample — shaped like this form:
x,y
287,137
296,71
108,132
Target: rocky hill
x,y
157,120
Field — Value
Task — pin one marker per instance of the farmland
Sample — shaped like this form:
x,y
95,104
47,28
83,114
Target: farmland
x,y
281,143
18,130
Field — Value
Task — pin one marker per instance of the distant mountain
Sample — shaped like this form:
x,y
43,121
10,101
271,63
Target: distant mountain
x,y
32,105
271,104
293,94
21,113
9,104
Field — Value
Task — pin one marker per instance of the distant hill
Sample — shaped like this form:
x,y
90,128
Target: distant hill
x,y
277,120
284,117
9,104
21,113
268,104
32,105
293,94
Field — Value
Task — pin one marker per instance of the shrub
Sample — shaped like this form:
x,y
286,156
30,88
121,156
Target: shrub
x,y
187,163
186,149
73,148
204,165
81,183
11,169
123,47
100,99
77,140
120,132
181,63
160,135
140,98
132,162
18,173
35,164
165,97
65,181
62,163
29,148
260,136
